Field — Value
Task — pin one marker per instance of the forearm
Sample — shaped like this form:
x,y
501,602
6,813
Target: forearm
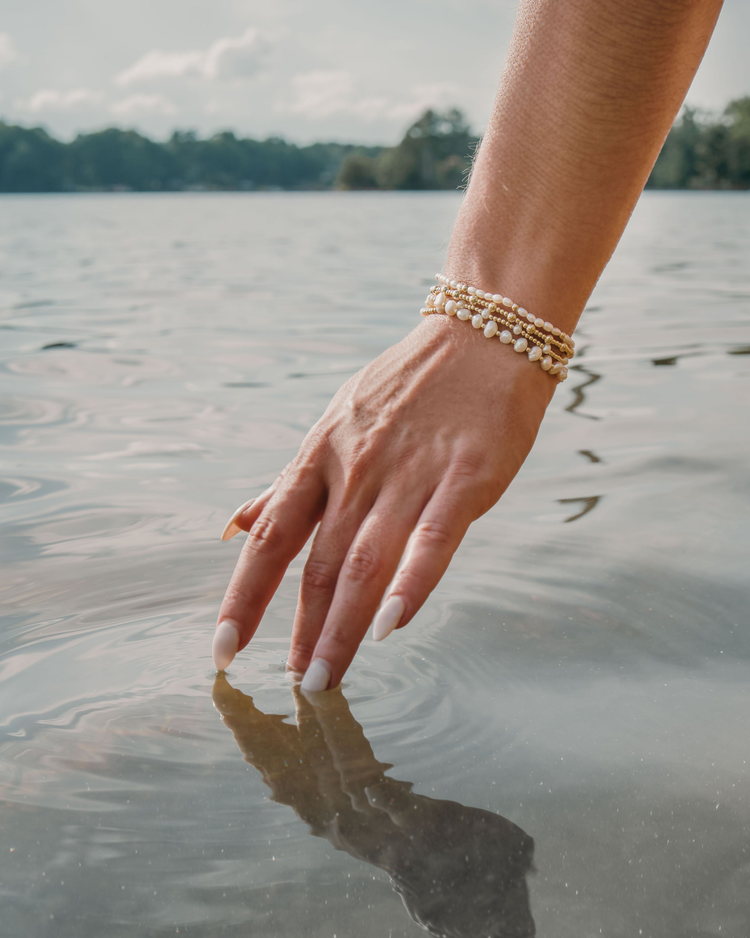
x,y
588,94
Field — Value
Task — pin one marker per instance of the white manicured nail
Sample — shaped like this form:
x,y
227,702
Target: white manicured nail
x,y
226,643
232,527
388,618
294,677
317,676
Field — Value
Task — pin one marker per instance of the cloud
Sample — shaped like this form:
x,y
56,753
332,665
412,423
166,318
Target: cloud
x,y
8,52
140,103
226,58
438,95
320,94
50,99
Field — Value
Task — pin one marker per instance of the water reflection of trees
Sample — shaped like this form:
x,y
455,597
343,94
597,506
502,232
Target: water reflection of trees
x,y
460,871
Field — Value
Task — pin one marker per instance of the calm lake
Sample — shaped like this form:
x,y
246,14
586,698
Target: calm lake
x,y
558,742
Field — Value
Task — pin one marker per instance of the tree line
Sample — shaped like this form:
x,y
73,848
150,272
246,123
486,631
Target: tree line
x,y
701,152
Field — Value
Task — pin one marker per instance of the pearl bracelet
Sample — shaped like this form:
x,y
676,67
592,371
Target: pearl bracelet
x,y
499,316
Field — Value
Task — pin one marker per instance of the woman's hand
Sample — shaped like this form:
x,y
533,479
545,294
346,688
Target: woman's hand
x,y
410,451
427,437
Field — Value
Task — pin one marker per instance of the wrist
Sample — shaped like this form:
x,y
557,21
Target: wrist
x,y
492,370
527,265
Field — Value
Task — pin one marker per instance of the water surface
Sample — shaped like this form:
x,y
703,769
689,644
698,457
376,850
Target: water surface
x,y
577,686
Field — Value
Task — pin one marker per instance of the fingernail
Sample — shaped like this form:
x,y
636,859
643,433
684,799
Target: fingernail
x,y
232,527
388,617
317,676
226,643
294,677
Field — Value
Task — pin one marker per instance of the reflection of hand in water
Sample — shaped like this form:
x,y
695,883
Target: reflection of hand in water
x,y
460,871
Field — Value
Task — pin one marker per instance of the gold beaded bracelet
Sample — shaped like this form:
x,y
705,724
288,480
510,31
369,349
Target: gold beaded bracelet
x,y
499,316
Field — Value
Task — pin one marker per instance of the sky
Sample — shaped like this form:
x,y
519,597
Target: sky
x,y
342,70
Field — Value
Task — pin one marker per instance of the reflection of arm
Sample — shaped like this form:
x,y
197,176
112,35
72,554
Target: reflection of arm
x,y
459,870
588,94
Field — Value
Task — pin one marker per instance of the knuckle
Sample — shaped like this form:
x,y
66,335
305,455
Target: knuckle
x,y
265,535
411,580
301,651
362,456
362,564
467,464
469,470
318,577
434,533
356,470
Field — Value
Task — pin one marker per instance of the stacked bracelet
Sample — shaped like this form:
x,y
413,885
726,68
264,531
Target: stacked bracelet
x,y
499,316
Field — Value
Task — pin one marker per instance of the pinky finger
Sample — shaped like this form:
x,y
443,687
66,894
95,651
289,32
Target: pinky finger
x,y
432,544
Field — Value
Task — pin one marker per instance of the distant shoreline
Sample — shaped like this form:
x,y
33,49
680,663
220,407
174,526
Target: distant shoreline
x,y
701,153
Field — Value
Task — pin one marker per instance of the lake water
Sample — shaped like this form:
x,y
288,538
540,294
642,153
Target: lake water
x,y
559,740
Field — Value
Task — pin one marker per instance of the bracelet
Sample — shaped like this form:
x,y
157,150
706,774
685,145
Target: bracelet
x,y
499,316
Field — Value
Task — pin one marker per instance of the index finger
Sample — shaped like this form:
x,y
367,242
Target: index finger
x,y
275,538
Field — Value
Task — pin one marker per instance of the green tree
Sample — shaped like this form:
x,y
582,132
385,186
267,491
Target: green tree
x,y
738,143
358,171
119,158
435,153
30,160
676,164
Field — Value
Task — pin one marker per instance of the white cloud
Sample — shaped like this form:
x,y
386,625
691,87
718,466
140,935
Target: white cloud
x,y
438,95
8,52
50,99
226,58
321,94
140,103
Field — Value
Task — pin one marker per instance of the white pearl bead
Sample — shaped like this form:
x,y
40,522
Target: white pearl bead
x,y
548,326
477,321
563,374
505,337
450,307
472,290
530,317
539,323
480,294
517,329
486,314
547,349
556,369
430,301
461,287
490,329
546,363
464,314
440,301
520,345
570,342
535,353
507,301
454,284
555,330
496,298
522,311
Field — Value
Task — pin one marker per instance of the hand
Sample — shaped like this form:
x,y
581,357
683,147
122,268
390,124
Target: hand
x,y
410,451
